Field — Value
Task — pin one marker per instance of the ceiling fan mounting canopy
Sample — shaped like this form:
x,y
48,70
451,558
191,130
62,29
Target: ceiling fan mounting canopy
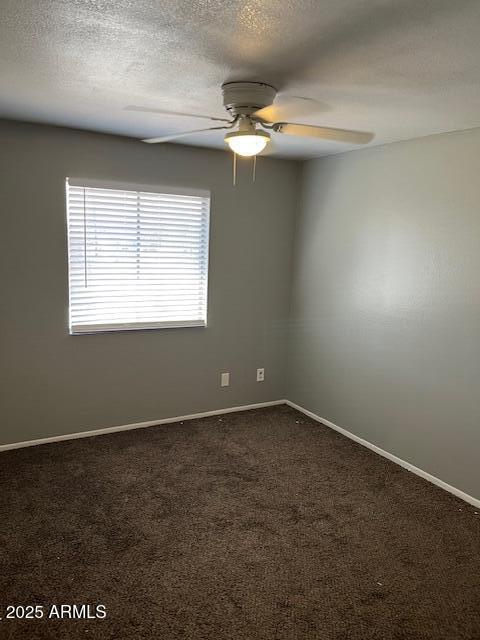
x,y
244,98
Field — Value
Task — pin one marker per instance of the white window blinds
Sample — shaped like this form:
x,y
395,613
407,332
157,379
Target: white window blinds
x,y
137,260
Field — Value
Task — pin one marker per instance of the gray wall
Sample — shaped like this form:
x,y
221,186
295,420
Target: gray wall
x,y
386,300
385,307
53,383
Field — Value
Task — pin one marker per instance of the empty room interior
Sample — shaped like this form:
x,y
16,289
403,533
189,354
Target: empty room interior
x,y
240,320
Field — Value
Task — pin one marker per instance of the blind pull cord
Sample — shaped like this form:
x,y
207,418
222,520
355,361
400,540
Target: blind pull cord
x,y
85,238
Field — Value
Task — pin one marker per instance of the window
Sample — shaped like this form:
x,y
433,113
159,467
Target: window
x,y
137,259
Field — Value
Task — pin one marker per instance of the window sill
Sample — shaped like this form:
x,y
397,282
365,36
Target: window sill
x,y
86,329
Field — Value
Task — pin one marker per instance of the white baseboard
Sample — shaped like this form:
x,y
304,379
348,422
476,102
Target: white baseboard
x,y
406,465
246,407
136,425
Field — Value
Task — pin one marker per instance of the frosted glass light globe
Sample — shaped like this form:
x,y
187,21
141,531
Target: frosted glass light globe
x,y
247,143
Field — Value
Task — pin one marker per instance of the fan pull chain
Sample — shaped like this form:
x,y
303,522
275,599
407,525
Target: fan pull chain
x,y
234,169
254,168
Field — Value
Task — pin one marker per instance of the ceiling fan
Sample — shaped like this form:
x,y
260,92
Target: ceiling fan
x,y
252,115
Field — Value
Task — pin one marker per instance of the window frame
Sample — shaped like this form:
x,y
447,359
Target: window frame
x,y
145,188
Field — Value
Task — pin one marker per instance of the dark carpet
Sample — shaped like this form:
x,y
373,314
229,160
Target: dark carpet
x,y
255,525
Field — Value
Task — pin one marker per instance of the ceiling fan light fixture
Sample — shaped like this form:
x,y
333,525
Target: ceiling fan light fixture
x,y
247,143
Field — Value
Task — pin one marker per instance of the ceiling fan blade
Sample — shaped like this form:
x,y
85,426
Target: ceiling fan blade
x,y
289,107
325,133
183,134
173,113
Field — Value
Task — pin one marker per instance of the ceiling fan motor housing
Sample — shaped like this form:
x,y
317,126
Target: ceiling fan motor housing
x,y
244,98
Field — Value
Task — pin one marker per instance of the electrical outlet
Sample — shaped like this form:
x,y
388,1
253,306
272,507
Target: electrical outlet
x,y
225,380
260,375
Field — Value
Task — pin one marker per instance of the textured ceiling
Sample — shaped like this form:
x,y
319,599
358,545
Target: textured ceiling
x,y
398,68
